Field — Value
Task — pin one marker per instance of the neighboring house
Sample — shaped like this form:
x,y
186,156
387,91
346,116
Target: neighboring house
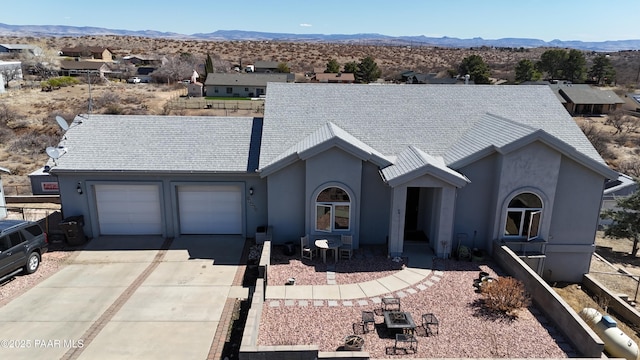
x,y
19,48
266,67
341,78
614,189
486,165
3,202
88,53
73,68
145,60
583,99
241,85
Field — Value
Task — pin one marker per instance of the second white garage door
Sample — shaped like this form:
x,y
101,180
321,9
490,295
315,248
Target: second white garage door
x,y
210,209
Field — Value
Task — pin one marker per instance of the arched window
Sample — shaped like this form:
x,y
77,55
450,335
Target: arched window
x,y
523,216
333,210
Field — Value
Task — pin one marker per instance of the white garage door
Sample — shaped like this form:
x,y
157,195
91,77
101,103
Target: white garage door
x,y
210,209
129,209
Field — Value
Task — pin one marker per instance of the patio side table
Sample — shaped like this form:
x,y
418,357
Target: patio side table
x,y
390,303
429,320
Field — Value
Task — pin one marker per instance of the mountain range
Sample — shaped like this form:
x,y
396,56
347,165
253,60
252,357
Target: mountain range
x,y
362,39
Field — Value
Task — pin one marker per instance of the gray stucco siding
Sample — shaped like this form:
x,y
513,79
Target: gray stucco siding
x,y
374,209
286,207
333,167
532,168
476,203
237,91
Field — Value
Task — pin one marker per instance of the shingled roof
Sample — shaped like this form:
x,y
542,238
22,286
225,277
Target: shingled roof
x,y
161,144
452,122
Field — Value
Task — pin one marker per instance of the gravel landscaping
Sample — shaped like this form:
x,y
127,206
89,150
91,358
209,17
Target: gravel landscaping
x,y
466,329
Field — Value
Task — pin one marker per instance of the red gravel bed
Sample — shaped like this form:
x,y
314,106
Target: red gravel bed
x,y
465,329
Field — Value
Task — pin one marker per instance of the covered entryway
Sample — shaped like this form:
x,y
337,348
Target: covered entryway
x,y
128,209
421,213
210,209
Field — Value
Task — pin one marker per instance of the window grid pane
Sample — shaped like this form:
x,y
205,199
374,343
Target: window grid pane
x,y
323,217
341,221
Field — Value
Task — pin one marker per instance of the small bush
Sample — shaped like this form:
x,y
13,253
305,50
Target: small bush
x,y
60,81
506,295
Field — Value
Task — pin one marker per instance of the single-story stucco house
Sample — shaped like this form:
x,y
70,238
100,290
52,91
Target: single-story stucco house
x,y
585,99
482,165
242,85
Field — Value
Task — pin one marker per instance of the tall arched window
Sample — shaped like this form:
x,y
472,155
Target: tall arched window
x,y
523,216
333,210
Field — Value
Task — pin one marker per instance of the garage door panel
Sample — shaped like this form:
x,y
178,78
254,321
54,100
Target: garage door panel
x,y
129,209
215,209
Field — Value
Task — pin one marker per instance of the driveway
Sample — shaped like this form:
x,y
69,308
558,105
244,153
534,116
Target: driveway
x,y
123,298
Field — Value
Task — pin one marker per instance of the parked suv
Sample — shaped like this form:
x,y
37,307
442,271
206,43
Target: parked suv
x,y
22,244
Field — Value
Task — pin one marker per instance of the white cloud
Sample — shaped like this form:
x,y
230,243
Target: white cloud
x,y
305,25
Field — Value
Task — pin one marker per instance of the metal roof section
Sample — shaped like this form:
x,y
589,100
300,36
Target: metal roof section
x,y
146,143
328,135
413,162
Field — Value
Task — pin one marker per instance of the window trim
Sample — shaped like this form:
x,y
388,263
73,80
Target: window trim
x,y
527,217
331,205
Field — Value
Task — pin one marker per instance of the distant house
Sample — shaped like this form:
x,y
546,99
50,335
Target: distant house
x,y
72,68
615,189
342,78
18,48
242,85
145,60
266,67
88,53
581,99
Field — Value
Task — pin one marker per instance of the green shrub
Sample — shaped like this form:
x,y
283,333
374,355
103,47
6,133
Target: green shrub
x,y
505,295
60,81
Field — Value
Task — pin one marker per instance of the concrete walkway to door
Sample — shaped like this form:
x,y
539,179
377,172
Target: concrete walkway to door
x,y
126,297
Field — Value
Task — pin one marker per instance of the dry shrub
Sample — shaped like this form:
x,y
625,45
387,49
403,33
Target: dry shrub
x,y
505,295
32,144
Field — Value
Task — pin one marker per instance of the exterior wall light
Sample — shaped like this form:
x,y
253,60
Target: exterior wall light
x,y
251,191
79,189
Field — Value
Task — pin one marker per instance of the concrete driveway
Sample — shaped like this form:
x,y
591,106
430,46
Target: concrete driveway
x,y
123,298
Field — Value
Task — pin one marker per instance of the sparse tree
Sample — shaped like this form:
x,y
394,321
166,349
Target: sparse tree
x,y
602,71
526,71
176,68
476,68
283,67
351,67
332,66
626,220
208,66
552,62
10,71
575,65
368,71
45,64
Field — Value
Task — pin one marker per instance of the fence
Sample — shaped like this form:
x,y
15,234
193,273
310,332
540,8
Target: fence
x,y
185,103
624,284
49,218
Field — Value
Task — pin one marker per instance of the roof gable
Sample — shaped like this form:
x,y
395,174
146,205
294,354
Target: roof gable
x,y
325,137
413,162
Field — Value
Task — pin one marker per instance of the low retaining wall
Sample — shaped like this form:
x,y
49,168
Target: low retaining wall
x,y
575,330
249,349
615,303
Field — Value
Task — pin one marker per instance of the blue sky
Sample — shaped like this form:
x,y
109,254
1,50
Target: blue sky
x,y
586,20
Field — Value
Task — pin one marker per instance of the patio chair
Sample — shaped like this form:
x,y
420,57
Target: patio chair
x,y
346,249
307,251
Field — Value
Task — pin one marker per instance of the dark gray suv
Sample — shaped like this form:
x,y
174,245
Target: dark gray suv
x,y
22,244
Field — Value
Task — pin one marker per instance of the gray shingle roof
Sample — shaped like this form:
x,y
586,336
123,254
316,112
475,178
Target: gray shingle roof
x,y
252,79
161,144
586,94
437,119
413,160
